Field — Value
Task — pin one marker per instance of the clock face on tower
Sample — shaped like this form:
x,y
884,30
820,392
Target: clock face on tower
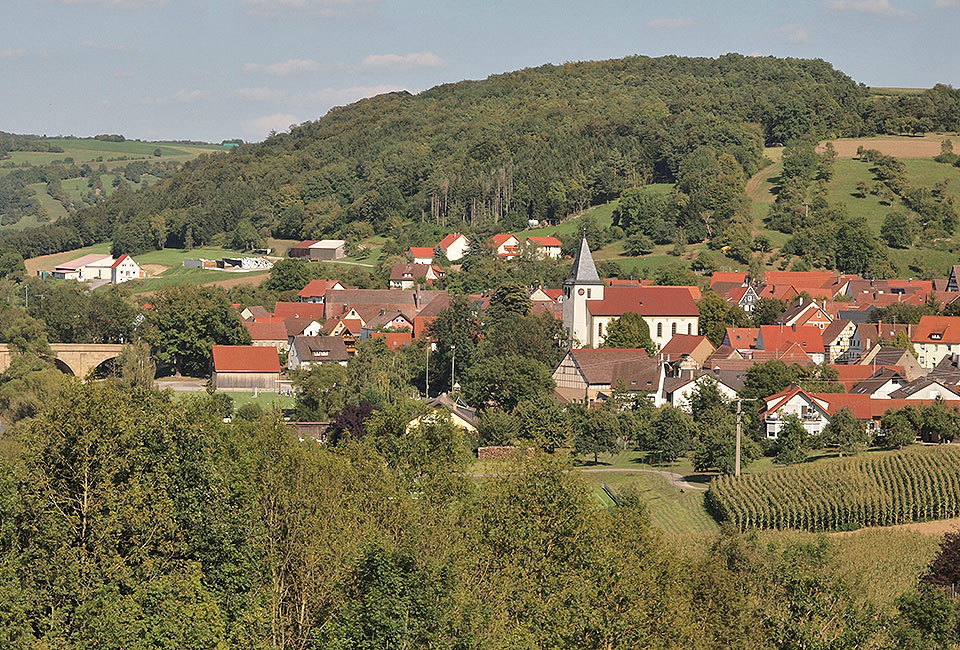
x,y
580,292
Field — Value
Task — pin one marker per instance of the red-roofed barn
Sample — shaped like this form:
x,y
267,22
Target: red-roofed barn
x,y
245,367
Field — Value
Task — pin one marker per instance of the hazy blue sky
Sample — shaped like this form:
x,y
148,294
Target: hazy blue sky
x,y
215,69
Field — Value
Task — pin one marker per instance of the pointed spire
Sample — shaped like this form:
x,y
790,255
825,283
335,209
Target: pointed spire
x,y
584,271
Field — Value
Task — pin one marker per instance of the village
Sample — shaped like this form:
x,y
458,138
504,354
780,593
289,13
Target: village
x,y
830,322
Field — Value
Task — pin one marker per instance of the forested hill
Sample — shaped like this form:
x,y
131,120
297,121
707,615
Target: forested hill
x,y
536,143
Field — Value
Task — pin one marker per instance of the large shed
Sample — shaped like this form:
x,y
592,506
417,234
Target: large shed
x,y
245,367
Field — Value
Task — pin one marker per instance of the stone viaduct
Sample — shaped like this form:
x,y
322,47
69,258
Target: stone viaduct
x,y
72,358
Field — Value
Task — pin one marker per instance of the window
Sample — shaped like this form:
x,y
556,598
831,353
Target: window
x,y
673,329
659,329
599,329
588,294
689,328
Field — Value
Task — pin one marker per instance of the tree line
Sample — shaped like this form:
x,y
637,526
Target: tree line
x,y
536,144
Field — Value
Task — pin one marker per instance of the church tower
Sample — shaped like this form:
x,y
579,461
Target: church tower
x,y
581,285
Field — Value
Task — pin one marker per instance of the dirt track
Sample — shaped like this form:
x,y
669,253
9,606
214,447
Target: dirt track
x,y
938,527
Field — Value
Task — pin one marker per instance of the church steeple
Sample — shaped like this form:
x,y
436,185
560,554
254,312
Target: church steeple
x,y
584,270
582,285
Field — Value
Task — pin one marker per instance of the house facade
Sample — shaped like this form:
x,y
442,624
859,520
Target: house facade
x,y
454,246
307,351
506,245
587,376
935,338
544,247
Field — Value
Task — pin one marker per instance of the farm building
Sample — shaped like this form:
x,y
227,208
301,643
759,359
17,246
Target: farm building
x,y
324,249
100,267
245,367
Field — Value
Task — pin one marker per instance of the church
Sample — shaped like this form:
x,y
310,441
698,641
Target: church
x,y
589,306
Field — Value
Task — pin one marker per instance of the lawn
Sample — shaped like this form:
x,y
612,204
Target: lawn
x,y
267,400
674,511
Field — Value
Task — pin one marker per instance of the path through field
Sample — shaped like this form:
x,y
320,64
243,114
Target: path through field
x,y
677,480
937,527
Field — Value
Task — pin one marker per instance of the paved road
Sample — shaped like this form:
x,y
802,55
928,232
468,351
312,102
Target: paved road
x,y
185,384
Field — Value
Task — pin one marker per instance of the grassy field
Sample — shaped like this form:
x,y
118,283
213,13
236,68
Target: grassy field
x,y
266,400
112,155
164,267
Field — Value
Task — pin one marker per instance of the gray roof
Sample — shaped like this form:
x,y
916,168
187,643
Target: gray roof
x,y
322,349
873,383
916,386
444,401
584,271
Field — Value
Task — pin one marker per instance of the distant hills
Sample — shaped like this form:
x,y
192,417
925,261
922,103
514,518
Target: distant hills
x,y
538,143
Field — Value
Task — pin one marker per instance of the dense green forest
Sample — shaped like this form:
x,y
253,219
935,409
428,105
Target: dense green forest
x,y
129,521
536,144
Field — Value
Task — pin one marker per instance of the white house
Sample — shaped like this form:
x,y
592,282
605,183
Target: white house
x,y
812,411
420,254
506,245
935,338
679,391
544,247
454,246
314,350
124,270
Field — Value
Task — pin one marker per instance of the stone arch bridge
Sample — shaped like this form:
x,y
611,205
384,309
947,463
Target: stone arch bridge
x,y
73,358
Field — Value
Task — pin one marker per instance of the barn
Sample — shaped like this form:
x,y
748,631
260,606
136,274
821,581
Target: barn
x,y
245,367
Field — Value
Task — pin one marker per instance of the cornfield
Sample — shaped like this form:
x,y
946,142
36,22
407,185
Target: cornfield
x,y
875,490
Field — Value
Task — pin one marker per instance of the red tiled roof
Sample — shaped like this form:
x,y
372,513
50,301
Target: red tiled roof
x,y
502,238
316,288
681,344
864,407
646,301
553,294
394,340
545,241
778,337
421,251
306,243
797,278
937,329
245,358
269,331
449,239
728,276
312,310
119,261
742,337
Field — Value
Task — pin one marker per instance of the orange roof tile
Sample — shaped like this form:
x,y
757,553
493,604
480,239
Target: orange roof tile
x,y
245,358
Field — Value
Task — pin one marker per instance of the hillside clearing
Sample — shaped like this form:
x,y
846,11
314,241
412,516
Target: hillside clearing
x,y
900,146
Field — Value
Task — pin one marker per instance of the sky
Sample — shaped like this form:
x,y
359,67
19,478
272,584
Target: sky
x,y
217,69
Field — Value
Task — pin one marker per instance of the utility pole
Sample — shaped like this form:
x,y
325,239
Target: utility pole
x,y
736,466
453,367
